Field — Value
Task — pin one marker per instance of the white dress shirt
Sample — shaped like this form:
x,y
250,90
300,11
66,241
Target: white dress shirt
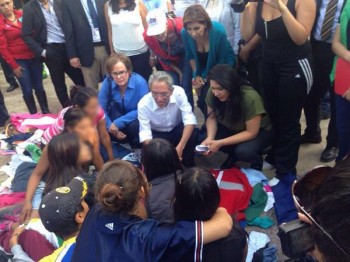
x,y
152,117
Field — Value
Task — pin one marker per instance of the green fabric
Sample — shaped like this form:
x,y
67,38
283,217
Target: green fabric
x,y
35,152
344,21
257,204
262,222
252,105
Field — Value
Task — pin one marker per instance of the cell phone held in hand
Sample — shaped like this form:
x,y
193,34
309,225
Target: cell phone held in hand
x,y
202,149
239,5
296,238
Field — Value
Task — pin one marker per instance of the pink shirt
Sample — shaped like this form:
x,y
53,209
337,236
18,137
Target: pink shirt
x,y
58,126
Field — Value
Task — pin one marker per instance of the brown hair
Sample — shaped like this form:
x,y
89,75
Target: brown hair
x,y
113,59
197,14
118,186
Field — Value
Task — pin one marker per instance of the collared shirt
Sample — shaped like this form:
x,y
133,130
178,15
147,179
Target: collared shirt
x,y
152,117
127,104
321,16
95,31
54,30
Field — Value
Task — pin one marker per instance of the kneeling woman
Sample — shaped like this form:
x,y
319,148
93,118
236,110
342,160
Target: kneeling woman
x,y
77,122
117,228
237,122
120,93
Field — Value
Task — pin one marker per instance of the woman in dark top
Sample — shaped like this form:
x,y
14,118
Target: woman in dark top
x,y
284,27
237,122
197,196
161,164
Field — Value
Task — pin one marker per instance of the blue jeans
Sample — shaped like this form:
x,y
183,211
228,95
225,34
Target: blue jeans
x,y
32,76
343,125
186,79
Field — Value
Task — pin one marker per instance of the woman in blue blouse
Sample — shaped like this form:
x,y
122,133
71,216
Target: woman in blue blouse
x,y
120,93
206,45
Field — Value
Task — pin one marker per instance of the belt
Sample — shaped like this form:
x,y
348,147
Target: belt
x,y
56,44
99,43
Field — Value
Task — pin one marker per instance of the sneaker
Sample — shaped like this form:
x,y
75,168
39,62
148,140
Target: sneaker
x,y
267,166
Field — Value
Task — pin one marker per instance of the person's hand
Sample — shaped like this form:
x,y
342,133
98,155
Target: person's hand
x,y
119,135
15,234
197,84
214,146
113,129
18,71
244,53
152,60
347,56
206,143
26,211
180,150
277,4
347,94
75,62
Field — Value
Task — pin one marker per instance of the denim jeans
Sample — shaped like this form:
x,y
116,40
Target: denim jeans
x,y
343,125
38,195
186,83
32,77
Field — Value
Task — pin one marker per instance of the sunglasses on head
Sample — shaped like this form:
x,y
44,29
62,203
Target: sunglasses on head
x,y
304,190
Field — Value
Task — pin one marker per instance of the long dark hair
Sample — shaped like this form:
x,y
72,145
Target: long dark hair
x,y
197,195
63,154
114,4
228,79
159,158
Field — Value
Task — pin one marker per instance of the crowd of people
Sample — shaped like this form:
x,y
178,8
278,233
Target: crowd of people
x,y
137,67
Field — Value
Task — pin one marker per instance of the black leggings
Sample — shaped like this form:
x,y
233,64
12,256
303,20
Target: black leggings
x,y
285,87
140,64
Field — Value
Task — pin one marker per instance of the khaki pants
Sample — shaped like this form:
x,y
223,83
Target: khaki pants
x,y
92,74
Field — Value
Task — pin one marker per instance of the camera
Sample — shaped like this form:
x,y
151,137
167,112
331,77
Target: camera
x,y
296,239
239,5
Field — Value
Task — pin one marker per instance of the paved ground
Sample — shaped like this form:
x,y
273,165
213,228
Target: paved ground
x,y
308,157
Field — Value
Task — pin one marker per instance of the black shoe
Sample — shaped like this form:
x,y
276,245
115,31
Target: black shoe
x,y
306,139
329,154
11,88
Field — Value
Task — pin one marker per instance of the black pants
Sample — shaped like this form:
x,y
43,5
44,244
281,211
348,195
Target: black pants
x,y
8,72
140,64
201,103
4,115
250,151
174,137
285,87
131,130
58,64
323,57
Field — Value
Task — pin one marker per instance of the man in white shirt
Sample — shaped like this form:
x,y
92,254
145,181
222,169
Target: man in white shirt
x,y
166,113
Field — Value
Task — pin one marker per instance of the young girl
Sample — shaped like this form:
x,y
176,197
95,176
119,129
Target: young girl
x,y
117,228
197,197
161,163
86,99
75,122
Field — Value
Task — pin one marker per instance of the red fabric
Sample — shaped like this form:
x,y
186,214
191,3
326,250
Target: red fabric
x,y
11,199
234,200
35,245
154,45
12,45
342,79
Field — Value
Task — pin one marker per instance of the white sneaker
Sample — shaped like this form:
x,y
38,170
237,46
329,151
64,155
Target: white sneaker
x,y
267,166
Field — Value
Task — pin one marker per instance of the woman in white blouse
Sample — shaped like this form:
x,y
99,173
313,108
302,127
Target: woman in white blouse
x,y
126,21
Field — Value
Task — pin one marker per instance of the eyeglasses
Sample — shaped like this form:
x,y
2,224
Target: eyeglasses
x,y
120,73
303,192
162,95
